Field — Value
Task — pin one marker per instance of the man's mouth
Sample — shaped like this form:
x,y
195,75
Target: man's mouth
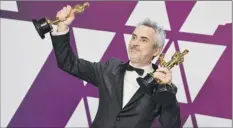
x,y
135,50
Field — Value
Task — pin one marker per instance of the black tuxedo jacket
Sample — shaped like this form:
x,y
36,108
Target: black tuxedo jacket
x,y
140,111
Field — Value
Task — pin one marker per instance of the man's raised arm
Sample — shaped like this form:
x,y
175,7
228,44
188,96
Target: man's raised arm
x,y
66,59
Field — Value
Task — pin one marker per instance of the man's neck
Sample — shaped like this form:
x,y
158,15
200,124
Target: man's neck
x,y
139,65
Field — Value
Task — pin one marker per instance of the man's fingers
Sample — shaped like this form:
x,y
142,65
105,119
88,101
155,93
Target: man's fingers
x,y
69,10
162,77
164,70
159,75
58,15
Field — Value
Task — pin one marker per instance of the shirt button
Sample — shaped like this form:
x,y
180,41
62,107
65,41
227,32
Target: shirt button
x,y
118,119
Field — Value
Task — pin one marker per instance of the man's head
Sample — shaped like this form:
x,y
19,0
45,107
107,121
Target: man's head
x,y
146,43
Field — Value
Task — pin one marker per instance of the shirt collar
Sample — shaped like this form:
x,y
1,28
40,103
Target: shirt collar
x,y
147,68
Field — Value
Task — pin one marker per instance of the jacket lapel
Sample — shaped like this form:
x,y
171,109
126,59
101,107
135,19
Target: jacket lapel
x,y
139,93
120,72
119,82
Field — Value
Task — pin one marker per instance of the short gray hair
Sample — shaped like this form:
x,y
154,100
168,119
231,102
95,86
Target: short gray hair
x,y
160,33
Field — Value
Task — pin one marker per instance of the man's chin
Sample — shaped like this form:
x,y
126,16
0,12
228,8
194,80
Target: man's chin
x,y
134,60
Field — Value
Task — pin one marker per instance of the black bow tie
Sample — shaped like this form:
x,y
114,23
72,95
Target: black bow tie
x,y
138,70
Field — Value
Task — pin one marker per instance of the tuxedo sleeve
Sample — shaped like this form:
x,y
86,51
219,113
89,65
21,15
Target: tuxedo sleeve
x,y
170,88
70,63
169,112
170,116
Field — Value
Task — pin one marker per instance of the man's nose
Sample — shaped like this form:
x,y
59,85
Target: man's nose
x,y
136,42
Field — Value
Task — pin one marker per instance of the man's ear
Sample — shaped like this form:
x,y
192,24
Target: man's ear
x,y
157,51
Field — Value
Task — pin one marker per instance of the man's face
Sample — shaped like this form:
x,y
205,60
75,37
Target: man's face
x,y
142,45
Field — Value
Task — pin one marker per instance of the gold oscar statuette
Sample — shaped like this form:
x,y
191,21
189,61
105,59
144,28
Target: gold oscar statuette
x,y
176,59
165,94
44,25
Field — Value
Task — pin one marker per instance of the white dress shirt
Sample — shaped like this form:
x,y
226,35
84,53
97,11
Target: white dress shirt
x,y
55,33
130,84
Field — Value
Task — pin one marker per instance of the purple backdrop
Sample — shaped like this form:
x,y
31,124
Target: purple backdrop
x,y
54,94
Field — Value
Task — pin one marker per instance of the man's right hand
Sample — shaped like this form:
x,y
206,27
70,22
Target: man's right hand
x,y
67,16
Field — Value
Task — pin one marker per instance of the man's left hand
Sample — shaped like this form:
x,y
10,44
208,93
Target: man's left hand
x,y
164,75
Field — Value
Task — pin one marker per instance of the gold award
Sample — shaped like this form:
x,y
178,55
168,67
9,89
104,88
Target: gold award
x,y
44,25
176,59
149,82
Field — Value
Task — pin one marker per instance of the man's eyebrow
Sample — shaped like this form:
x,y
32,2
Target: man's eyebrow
x,y
143,37
134,34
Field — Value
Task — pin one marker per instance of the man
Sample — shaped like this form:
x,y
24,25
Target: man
x,y
122,103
